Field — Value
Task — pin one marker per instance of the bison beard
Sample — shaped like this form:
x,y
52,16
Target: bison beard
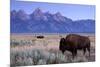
x,y
74,42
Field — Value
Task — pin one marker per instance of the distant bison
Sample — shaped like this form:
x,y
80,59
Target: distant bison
x,y
74,42
40,37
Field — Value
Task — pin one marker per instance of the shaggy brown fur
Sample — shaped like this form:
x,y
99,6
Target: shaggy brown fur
x,y
74,42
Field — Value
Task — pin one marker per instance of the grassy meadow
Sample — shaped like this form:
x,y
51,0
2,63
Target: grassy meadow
x,y
27,49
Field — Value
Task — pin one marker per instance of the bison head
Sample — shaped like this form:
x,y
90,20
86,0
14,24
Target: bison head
x,y
62,45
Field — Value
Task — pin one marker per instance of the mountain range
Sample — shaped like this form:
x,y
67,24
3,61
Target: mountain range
x,y
45,22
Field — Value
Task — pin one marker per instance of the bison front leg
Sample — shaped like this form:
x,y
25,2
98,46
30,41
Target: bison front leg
x,y
74,53
84,51
63,51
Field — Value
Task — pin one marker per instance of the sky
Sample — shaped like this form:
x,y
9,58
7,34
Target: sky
x,y
73,11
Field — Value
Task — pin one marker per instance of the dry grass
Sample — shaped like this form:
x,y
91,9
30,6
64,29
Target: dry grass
x,y
33,51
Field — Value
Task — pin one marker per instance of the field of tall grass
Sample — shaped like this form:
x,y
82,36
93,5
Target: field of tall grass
x,y
29,50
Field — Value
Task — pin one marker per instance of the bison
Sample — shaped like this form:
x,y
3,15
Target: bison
x,y
40,37
74,42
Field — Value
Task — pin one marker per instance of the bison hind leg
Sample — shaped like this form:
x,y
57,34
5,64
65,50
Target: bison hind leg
x,y
88,50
